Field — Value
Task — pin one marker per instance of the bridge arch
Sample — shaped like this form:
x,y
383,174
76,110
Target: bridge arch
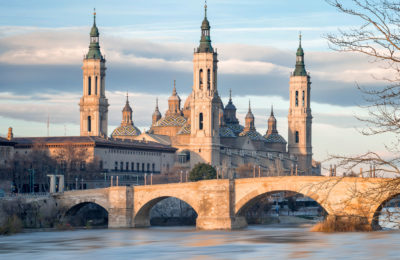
x,y
142,216
96,213
377,210
253,196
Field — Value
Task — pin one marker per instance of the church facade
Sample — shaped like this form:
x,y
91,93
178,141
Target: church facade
x,y
204,130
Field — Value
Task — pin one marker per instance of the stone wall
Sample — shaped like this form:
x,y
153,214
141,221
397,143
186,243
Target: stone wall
x,y
40,212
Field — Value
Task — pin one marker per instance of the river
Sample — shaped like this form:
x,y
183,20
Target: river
x,y
255,242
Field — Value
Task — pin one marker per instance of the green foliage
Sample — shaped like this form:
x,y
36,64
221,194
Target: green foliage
x,y
202,171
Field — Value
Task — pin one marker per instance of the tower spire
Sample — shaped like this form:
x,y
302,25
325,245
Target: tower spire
x,y
300,69
272,110
205,9
230,95
174,89
94,47
205,41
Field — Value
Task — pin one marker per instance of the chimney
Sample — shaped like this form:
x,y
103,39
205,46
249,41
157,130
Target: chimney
x,y
10,134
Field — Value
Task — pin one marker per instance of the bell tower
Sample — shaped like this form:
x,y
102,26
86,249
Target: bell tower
x,y
94,104
299,118
204,139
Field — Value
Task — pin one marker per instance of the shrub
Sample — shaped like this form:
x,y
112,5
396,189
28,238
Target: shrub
x,y
202,171
341,225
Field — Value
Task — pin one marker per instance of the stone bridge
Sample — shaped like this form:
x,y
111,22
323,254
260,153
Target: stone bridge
x,y
221,204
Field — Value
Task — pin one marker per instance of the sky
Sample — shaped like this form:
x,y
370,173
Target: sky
x,y
149,44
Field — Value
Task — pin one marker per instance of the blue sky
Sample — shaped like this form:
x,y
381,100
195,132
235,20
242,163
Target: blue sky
x,y
149,43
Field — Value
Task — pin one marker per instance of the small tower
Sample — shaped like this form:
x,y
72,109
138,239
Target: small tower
x,y
94,104
127,113
249,121
174,103
156,115
230,111
10,134
205,102
299,118
272,124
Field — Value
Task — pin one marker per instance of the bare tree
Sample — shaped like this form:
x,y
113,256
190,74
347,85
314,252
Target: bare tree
x,y
378,38
76,163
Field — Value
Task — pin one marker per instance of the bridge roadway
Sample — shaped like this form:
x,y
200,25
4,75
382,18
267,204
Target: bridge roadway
x,y
221,204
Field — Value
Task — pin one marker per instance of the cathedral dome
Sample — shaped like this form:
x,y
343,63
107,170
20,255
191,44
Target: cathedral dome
x,y
254,135
226,131
275,138
171,120
236,128
126,130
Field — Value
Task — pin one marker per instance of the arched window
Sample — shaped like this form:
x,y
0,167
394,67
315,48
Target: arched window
x,y
89,123
201,79
95,86
303,97
201,121
296,137
208,79
297,98
89,86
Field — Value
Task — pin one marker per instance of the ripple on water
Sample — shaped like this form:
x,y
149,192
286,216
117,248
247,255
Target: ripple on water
x,y
256,242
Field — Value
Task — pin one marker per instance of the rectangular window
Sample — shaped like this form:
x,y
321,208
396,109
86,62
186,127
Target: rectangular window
x,y
127,166
297,137
121,167
116,166
95,85
142,167
132,166
89,86
89,123
201,121
153,167
297,98
137,167
303,98
208,79
201,79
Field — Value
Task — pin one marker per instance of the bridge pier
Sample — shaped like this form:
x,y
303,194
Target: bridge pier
x,y
119,218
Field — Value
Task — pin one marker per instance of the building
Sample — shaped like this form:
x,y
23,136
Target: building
x,y
204,130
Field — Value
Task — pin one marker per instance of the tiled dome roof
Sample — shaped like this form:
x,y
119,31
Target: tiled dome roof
x,y
172,120
275,138
254,135
226,131
185,130
129,130
236,128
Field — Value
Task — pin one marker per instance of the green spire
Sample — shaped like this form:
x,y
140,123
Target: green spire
x,y
94,47
205,41
300,69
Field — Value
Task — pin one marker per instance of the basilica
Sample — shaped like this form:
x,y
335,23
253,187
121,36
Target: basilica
x,y
203,129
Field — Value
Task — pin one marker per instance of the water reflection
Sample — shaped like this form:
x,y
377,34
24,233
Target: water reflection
x,y
255,242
